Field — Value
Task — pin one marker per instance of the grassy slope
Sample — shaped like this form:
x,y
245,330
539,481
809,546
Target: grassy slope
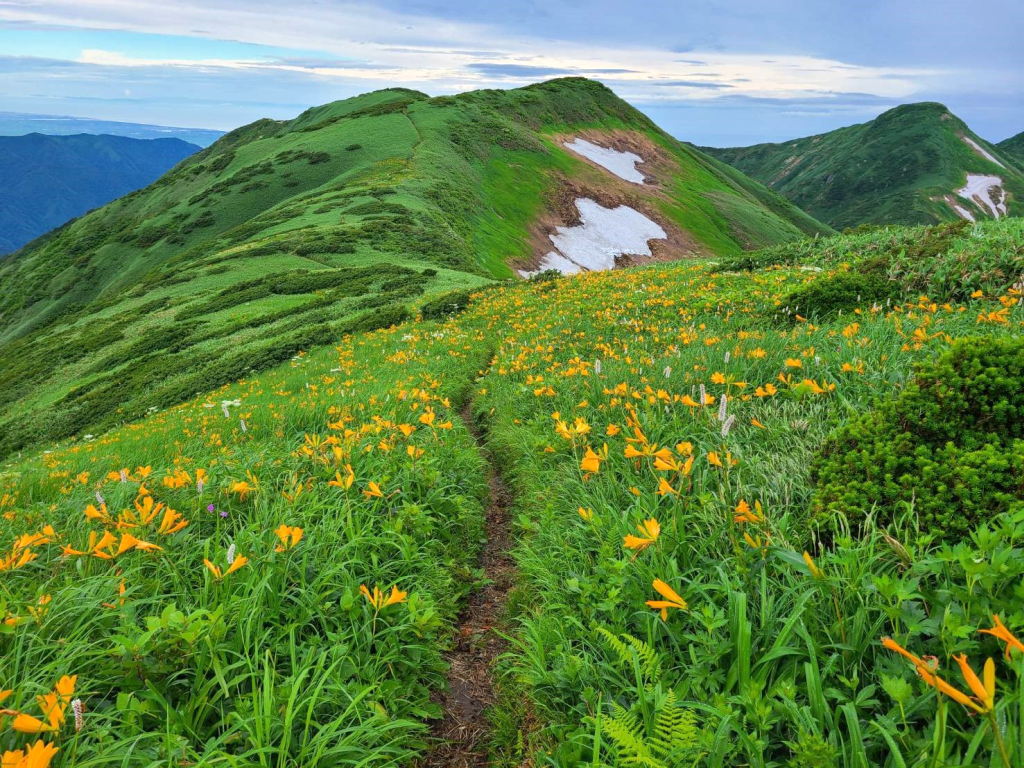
x,y
892,170
283,662
199,279
1014,148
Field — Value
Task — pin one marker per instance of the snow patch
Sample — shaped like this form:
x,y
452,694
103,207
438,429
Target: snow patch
x,y
602,236
964,213
982,151
622,164
979,190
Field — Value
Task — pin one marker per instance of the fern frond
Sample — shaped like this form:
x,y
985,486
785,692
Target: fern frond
x,y
650,659
675,730
618,647
624,649
625,731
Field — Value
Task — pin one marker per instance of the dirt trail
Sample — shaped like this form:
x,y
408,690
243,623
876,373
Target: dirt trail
x,y
464,728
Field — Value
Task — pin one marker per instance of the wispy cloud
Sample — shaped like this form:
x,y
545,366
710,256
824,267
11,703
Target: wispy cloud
x,y
317,50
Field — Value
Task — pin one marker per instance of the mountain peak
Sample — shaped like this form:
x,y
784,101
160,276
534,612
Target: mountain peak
x,y
913,164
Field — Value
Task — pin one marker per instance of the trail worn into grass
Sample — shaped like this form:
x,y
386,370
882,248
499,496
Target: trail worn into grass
x,y
463,730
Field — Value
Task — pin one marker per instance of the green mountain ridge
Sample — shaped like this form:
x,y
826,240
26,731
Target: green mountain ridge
x,y
1013,148
52,179
285,235
903,167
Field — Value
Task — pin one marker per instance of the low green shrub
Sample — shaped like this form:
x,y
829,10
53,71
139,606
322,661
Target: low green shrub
x,y
951,444
831,294
446,305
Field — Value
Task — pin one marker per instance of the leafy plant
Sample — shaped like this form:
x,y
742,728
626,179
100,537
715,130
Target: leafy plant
x,y
950,444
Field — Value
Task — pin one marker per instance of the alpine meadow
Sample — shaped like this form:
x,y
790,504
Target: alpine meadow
x,y
504,427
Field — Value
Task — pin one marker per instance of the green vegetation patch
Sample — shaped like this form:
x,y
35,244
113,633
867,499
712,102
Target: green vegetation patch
x,y
949,445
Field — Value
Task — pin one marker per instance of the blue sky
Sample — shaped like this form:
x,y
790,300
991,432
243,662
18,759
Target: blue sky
x,y
727,72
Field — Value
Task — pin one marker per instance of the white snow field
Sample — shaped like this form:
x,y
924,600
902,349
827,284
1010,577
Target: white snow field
x,y
622,164
603,234
964,213
984,152
979,191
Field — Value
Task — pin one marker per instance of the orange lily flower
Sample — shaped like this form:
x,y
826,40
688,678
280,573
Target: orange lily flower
x,y
744,514
672,599
379,601
985,692
649,530
37,755
343,482
240,561
1000,632
289,536
816,572
591,461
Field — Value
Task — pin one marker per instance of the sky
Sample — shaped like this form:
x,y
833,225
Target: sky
x,y
718,73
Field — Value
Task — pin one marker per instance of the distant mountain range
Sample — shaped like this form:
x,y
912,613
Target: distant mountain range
x,y
915,164
46,181
19,124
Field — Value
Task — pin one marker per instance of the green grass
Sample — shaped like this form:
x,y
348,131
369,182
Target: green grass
x,y
284,662
772,663
895,169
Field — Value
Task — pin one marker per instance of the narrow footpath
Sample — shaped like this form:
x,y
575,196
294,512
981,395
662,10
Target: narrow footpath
x,y
464,729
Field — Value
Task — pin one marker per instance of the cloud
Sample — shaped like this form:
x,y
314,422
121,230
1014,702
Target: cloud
x,y
690,84
516,70
740,57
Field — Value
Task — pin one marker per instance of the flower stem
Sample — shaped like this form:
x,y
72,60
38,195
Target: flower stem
x,y
999,739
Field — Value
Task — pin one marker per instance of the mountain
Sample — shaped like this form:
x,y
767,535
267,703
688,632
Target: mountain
x,y
285,235
52,179
915,164
21,123
1013,148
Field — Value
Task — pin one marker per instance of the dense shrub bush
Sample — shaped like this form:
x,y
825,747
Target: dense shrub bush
x,y
446,305
843,291
952,444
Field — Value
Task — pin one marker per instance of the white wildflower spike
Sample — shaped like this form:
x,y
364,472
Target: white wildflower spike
x,y
242,423
668,371
224,408
231,554
199,486
597,367
723,403
99,499
703,394
728,425
726,358
76,707
124,476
